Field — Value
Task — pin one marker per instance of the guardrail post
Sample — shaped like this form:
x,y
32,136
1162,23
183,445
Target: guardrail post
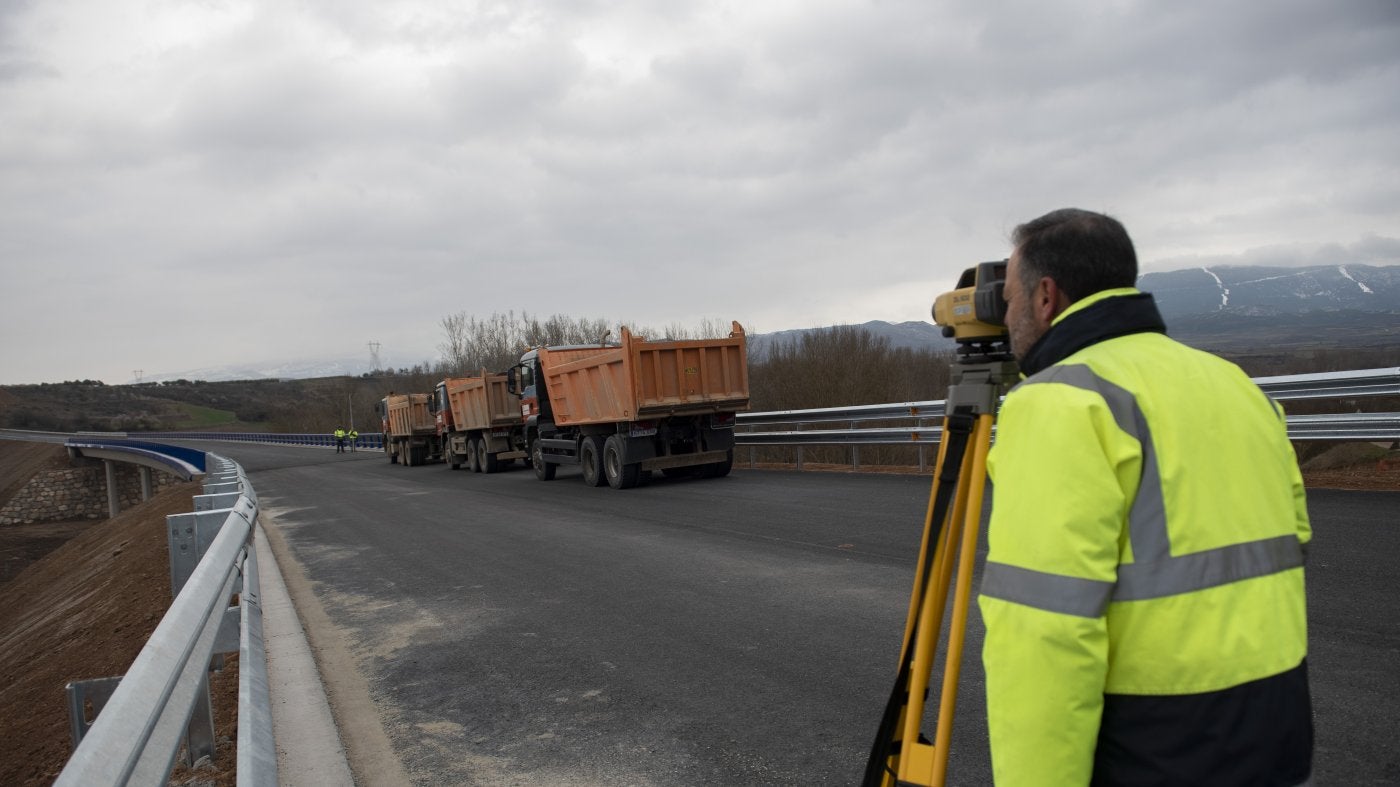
x,y
923,462
199,733
799,457
145,482
80,693
189,537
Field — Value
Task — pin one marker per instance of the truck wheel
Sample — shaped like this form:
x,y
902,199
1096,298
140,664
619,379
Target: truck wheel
x,y
590,457
620,476
543,470
718,469
485,460
470,458
453,460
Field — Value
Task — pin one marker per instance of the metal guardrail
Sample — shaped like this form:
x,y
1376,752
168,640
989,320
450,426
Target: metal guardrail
x,y
372,441
1333,385
184,463
163,700
925,418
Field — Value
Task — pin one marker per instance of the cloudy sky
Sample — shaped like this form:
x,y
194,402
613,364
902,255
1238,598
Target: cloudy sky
x,y
198,183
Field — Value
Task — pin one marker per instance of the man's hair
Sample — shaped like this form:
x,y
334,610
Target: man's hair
x,y
1084,252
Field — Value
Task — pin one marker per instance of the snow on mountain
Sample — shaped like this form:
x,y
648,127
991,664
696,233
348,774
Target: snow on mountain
x,y
1259,290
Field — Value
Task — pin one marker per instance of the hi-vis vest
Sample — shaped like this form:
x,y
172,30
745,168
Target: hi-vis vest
x,y
1146,532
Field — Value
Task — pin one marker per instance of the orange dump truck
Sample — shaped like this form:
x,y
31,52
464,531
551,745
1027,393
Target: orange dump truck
x,y
621,411
479,422
410,434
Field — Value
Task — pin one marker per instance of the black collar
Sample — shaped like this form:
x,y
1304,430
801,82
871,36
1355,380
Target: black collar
x,y
1110,318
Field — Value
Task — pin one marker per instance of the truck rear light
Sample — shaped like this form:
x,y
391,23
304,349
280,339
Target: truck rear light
x,y
722,421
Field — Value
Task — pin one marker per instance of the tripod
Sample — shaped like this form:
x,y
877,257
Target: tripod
x,y
901,754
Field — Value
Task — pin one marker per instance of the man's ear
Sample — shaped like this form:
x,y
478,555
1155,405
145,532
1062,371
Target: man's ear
x,y
1048,300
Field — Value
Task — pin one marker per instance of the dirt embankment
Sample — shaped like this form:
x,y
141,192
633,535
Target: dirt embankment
x,y
85,601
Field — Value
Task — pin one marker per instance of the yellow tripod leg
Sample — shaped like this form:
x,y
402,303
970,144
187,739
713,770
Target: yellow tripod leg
x,y
962,598
924,545
922,763
917,619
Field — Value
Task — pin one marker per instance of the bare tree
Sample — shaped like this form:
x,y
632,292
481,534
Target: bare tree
x,y
455,348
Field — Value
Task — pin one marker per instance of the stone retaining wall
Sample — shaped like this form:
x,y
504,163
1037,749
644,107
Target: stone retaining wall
x,y
74,493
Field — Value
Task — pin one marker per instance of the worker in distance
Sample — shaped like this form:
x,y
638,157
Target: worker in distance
x,y
1143,593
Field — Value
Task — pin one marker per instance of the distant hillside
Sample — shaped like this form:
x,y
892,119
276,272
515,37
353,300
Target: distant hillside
x,y
902,335
312,405
1257,309
1258,291
1238,310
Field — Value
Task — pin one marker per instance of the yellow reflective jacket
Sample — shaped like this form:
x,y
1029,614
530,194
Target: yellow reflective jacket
x,y
1145,538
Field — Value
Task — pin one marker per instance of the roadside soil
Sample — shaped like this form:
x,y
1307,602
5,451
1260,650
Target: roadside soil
x,y
78,600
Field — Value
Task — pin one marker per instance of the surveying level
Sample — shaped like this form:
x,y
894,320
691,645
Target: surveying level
x,y
976,310
983,370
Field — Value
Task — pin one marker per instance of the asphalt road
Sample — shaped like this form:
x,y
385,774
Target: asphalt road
x,y
734,631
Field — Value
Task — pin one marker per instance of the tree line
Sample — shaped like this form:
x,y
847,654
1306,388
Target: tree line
x,y
829,367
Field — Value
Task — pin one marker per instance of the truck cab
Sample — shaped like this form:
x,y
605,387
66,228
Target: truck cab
x,y
525,381
441,409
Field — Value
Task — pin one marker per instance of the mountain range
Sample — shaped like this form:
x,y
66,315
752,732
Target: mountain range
x,y
1234,309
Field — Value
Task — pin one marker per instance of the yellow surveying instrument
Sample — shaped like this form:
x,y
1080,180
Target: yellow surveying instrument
x,y
974,315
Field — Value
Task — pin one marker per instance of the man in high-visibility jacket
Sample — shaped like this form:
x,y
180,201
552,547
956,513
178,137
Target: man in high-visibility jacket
x,y
1143,592
354,438
339,440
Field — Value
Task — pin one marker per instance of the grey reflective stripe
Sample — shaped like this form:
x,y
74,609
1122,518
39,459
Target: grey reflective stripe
x,y
1051,592
1173,576
1208,569
1154,572
1147,520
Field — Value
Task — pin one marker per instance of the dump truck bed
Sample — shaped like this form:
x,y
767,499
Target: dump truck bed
x,y
409,415
482,402
643,379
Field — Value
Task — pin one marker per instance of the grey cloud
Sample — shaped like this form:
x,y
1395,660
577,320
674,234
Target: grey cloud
x,y
785,167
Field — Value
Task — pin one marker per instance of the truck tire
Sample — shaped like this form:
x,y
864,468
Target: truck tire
x,y
471,456
590,458
543,470
718,469
485,460
453,460
620,475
